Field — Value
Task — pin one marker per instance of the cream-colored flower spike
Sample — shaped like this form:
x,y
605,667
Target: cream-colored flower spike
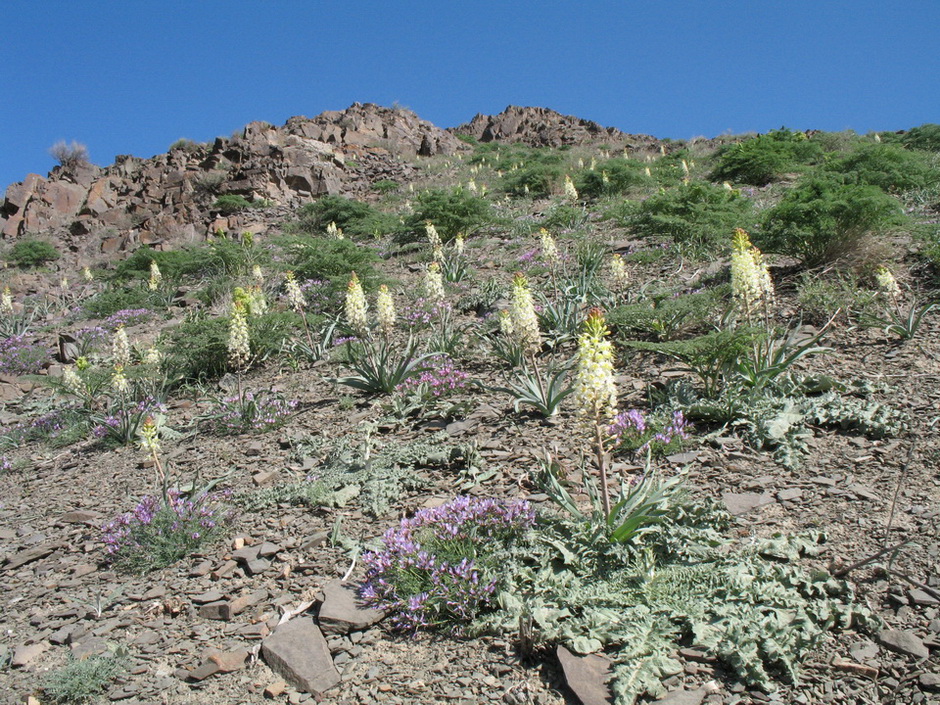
x,y
239,345
295,296
357,307
434,283
156,276
571,192
524,320
120,348
385,311
595,392
751,283
887,284
87,275
6,302
549,249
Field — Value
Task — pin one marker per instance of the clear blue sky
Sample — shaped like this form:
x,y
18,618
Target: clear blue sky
x,y
132,77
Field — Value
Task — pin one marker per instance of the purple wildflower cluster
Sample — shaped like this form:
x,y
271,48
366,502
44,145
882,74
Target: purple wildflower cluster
x,y
318,294
22,355
88,339
427,574
528,256
423,311
5,464
162,530
248,412
436,382
127,317
45,426
631,430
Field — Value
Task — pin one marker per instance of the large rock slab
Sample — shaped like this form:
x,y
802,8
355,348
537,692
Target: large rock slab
x,y
739,503
297,651
342,610
587,676
903,641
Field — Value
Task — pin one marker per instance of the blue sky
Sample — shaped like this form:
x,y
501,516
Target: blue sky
x,y
132,77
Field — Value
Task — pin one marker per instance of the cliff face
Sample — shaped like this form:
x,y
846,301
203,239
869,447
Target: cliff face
x,y
169,197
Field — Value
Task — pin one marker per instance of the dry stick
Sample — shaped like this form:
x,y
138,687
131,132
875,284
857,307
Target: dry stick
x,y
897,491
842,572
933,592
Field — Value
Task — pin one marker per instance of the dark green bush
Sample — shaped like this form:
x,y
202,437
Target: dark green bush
x,y
611,177
889,167
119,298
230,203
454,211
32,253
200,347
356,219
926,137
330,260
537,180
699,216
764,158
823,220
666,316
219,257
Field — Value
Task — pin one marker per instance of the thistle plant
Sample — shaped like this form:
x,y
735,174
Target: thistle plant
x,y
357,307
595,392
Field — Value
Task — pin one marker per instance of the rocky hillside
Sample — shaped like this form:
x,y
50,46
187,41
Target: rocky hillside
x,y
169,198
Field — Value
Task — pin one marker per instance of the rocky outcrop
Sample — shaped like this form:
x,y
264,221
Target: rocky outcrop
x,y
541,127
168,198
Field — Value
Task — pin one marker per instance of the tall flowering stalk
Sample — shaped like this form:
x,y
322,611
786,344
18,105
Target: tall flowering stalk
x,y
150,442
524,322
120,348
595,392
550,256
571,193
886,282
751,284
239,342
619,275
334,232
385,311
156,276
434,283
298,302
434,240
6,302
357,307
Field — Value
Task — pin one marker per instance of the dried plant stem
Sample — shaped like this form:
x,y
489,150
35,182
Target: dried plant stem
x,y
601,458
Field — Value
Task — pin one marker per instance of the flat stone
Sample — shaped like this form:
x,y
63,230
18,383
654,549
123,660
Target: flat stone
x,y
229,661
586,676
275,689
27,653
683,697
903,642
297,651
244,555
80,516
342,610
789,495
20,559
921,597
257,566
929,681
268,549
863,492
89,646
739,503
206,597
864,651
683,458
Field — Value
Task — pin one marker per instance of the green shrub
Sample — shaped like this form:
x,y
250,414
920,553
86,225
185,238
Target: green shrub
x,y
764,158
664,316
698,215
454,211
611,177
889,167
356,219
221,257
32,253
926,137
538,180
119,298
326,259
230,203
385,186
81,681
200,347
823,220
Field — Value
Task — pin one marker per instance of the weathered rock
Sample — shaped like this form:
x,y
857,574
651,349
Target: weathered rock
x,y
297,651
587,676
929,681
683,697
903,641
27,653
342,610
739,503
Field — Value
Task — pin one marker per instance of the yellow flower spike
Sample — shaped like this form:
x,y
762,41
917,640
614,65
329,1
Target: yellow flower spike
x,y
571,192
385,311
549,249
239,341
887,284
120,348
295,296
6,302
156,276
